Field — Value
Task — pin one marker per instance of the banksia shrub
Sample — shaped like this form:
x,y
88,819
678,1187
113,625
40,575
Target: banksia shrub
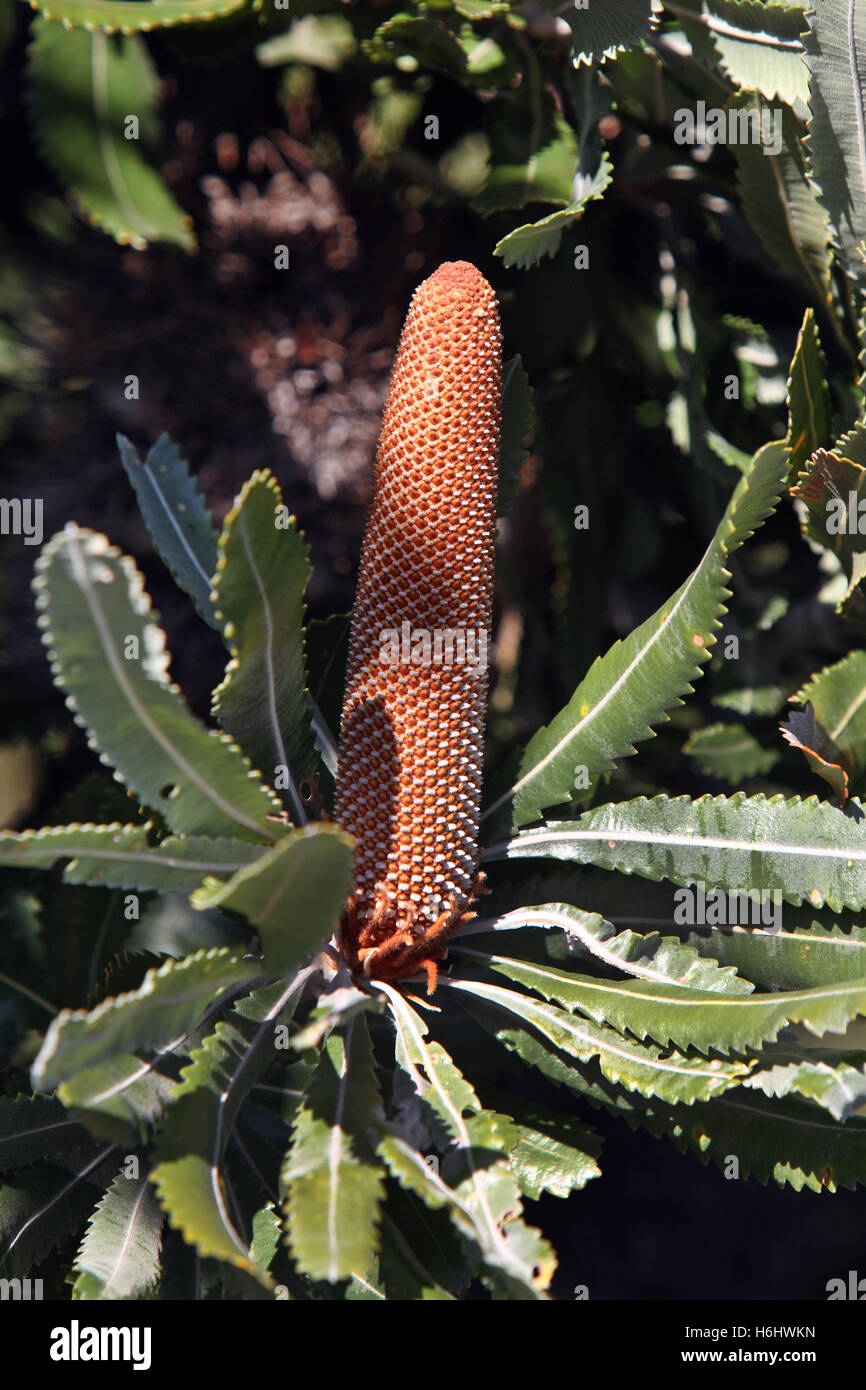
x,y
411,735
245,1057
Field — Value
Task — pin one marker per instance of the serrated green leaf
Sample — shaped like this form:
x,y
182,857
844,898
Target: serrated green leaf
x,y
687,1018
221,1072
108,655
476,1159
262,572
425,41
527,245
34,1127
632,686
293,894
82,88
168,1003
799,956
651,957
808,397
41,1208
835,47
119,1256
119,856
430,1068
603,30
120,1093
755,45
190,1174
132,16
176,516
194,1200
334,1187
500,1251
557,1153
780,202
538,1052
837,1086
806,851
730,752
635,1066
789,1140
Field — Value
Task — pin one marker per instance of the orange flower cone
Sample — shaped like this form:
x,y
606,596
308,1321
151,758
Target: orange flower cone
x,y
412,728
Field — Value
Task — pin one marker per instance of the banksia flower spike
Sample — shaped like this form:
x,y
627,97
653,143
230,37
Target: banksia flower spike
x,y
411,734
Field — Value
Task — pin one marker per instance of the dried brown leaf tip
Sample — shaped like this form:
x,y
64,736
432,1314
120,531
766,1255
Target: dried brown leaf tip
x,y
412,728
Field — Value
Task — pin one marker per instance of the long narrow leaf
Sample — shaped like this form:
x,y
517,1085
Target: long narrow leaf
x,y
638,680
169,1002
119,856
648,957
635,1066
83,86
119,1256
108,654
804,851
130,16
836,54
486,1189
798,957
262,571
687,1018
189,1176
177,518
334,1185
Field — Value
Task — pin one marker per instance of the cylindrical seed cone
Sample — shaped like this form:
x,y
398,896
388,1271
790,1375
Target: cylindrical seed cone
x,y
411,735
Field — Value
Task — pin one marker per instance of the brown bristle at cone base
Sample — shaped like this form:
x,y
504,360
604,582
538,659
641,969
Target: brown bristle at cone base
x,y
377,950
